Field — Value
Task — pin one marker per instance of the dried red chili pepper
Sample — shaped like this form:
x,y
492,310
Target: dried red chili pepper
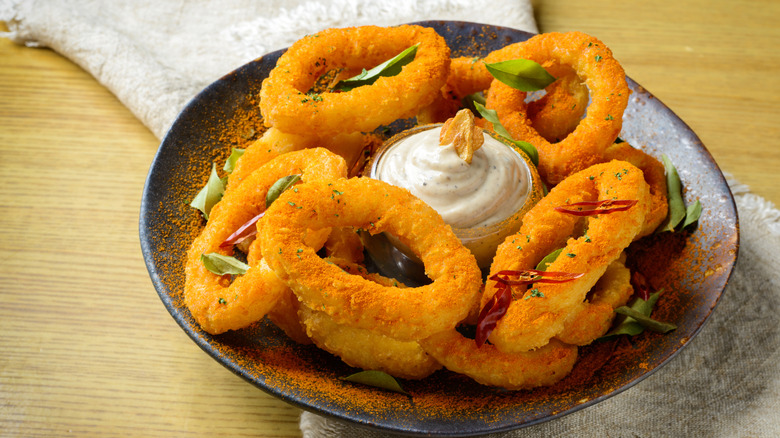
x,y
529,276
642,287
591,208
242,233
494,310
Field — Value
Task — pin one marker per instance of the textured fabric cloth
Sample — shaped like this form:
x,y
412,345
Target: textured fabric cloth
x,y
155,55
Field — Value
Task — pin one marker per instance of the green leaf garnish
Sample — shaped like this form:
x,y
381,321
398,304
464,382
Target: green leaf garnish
x,y
230,163
641,309
678,213
391,67
521,74
645,321
674,196
472,99
210,194
378,379
692,214
279,187
491,116
222,265
548,259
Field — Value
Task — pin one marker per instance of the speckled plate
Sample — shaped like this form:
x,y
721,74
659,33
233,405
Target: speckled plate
x,y
693,269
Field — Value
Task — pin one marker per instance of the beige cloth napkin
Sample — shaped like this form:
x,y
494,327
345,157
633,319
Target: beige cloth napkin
x,y
155,55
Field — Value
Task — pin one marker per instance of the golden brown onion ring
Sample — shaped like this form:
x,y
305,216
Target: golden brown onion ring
x,y
274,142
216,303
286,105
654,175
489,366
374,206
363,348
593,62
533,319
593,320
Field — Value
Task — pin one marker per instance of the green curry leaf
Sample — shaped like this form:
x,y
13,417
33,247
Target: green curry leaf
x,y
491,116
210,194
279,187
548,259
378,379
635,318
222,265
230,163
521,74
391,67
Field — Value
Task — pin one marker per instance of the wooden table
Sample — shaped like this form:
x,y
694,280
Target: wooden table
x,y
87,348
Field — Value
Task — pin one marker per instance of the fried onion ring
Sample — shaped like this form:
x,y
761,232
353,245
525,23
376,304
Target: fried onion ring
x,y
489,366
404,314
593,62
363,348
286,105
654,175
216,303
531,321
593,320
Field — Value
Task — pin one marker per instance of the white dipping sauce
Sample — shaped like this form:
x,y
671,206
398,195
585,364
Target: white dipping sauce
x,y
490,189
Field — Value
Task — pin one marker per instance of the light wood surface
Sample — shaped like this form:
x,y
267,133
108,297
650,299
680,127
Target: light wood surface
x,y
87,348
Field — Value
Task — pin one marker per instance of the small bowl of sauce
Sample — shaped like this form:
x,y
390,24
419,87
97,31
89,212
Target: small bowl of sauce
x,y
483,200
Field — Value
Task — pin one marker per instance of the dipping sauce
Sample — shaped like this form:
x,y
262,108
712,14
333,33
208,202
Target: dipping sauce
x,y
490,189
483,201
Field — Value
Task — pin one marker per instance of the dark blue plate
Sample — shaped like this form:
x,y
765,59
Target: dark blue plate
x,y
693,269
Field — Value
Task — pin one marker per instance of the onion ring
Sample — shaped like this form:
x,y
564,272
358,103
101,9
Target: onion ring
x,y
217,304
274,142
530,323
286,106
593,62
468,75
594,319
363,348
490,366
375,206
654,175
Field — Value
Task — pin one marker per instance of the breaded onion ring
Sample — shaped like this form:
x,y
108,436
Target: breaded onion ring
x,y
654,176
217,304
375,206
363,348
593,62
593,320
274,142
489,366
540,314
468,75
271,144
286,105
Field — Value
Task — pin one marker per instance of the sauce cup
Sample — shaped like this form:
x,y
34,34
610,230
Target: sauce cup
x,y
394,259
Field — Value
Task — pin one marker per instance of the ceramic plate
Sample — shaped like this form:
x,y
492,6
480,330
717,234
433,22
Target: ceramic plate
x,y
693,269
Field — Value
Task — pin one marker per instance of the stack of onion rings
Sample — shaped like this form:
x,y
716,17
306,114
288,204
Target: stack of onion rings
x,y
217,303
404,314
374,322
531,323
